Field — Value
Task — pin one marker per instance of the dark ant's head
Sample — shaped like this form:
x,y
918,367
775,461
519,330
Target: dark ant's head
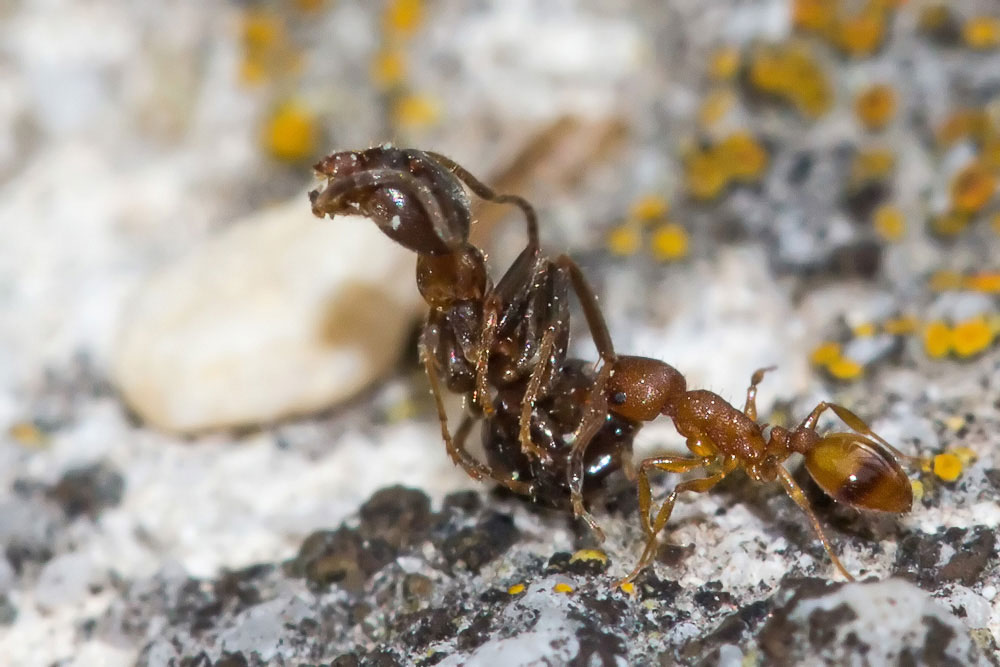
x,y
859,472
415,200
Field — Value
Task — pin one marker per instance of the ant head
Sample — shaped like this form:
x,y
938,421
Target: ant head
x,y
640,388
456,276
415,200
859,472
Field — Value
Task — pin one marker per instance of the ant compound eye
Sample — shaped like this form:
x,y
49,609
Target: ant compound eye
x,y
415,200
619,398
859,472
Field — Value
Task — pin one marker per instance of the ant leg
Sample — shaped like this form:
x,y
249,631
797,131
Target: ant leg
x,y
669,464
857,424
591,309
594,414
793,490
750,409
487,337
529,448
517,486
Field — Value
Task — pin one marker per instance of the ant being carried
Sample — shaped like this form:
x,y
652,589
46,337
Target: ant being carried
x,y
552,426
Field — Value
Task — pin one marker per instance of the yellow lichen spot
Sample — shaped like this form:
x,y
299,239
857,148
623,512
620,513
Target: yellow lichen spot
x,y
627,587
949,223
623,240
706,176
900,326
649,208
310,5
942,281
744,156
261,29
972,188
252,71
971,336
562,588
983,282
291,133
388,68
982,33
27,433
791,73
866,330
401,411
989,156
947,467
889,222
918,490
670,242
937,339
843,368
724,63
960,124
861,34
825,353
403,17
589,555
413,111
715,106
813,15
516,589
874,164
876,106
965,455
955,422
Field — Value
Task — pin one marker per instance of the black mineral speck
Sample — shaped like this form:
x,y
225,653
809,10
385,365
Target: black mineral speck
x,y
463,501
89,489
993,477
710,599
936,642
417,587
824,623
972,556
421,628
918,555
476,634
397,515
234,659
476,546
346,660
663,590
562,562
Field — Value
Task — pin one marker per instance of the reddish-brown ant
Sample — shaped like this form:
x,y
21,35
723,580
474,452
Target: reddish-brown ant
x,y
554,426
859,468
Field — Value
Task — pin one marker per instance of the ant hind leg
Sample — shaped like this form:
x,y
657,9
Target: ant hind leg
x,y
796,494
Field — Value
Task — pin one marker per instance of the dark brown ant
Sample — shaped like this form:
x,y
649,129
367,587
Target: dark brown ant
x,y
502,347
859,468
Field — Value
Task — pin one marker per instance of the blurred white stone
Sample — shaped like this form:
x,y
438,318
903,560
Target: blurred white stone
x,y
281,314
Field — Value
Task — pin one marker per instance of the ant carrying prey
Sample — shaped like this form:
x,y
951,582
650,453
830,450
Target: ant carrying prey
x,y
553,427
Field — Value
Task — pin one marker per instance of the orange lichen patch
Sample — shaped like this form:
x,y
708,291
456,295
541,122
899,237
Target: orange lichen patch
x,y
989,156
861,34
744,156
814,15
310,5
889,222
949,223
715,106
649,208
413,111
403,17
937,22
865,330
900,326
791,72
937,339
26,433
291,133
983,282
941,281
670,242
947,467
627,587
982,33
724,63
876,106
825,353
388,68
252,71
961,124
871,166
562,588
261,29
706,175
624,240
845,369
971,336
516,589
972,188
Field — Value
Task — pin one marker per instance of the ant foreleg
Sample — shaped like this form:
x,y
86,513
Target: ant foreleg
x,y
858,425
594,414
750,409
487,337
796,494
652,530
528,447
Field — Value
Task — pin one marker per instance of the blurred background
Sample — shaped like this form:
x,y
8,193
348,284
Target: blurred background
x,y
195,372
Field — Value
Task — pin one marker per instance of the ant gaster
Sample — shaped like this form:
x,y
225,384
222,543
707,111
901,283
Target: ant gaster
x,y
504,346
554,426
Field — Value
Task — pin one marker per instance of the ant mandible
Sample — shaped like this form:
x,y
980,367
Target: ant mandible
x,y
503,347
